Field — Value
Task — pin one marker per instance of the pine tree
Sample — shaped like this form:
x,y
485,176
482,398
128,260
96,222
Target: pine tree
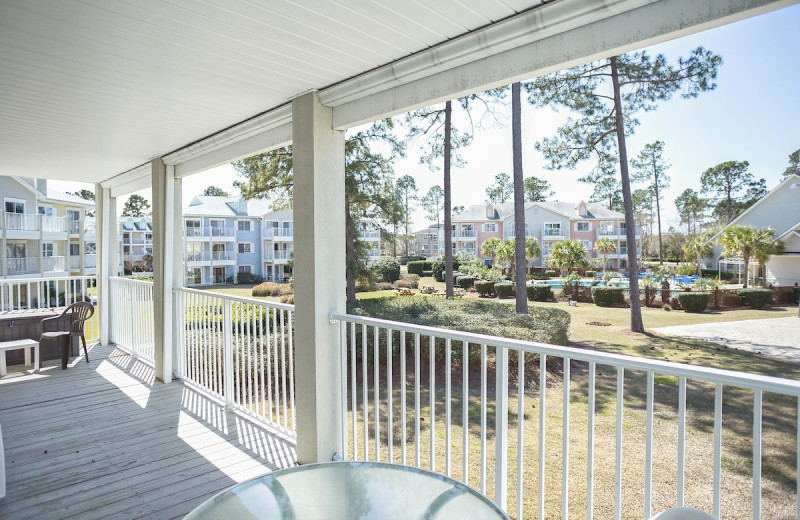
x,y
652,169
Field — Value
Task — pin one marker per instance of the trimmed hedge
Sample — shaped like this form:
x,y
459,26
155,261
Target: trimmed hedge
x,y
550,273
693,301
607,296
248,278
484,287
540,293
504,289
546,325
465,281
755,298
419,266
438,268
590,274
795,294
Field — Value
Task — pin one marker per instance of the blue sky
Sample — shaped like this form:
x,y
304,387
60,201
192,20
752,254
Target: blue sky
x,y
753,115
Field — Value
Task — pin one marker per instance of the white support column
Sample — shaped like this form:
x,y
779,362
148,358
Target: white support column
x,y
106,211
163,184
319,262
178,265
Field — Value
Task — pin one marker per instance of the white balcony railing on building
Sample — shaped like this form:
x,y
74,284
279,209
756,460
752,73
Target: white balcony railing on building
x,y
511,233
283,254
223,256
53,264
89,226
90,261
554,233
24,265
198,256
410,408
131,316
222,232
22,222
615,232
283,232
46,293
369,233
241,350
267,254
52,224
196,232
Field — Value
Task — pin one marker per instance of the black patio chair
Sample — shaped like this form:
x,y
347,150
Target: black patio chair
x,y
81,311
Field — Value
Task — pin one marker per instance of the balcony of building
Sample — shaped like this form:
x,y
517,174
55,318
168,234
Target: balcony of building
x,y
226,257
198,258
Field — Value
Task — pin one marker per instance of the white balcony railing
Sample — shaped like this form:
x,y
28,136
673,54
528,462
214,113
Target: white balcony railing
x,y
554,233
52,224
131,316
90,261
240,350
511,233
223,256
46,293
89,226
22,221
53,264
283,254
199,256
24,265
615,232
369,233
435,409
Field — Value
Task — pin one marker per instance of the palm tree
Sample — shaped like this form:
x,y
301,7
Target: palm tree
x,y
507,253
749,242
698,247
567,255
491,248
532,250
605,246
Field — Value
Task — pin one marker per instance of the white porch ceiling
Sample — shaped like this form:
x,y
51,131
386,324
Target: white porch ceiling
x,y
93,88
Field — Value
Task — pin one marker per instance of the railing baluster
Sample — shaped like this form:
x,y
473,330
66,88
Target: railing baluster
x,y
283,369
270,363
365,389
757,424
416,402
403,388
590,444
483,419
354,387
343,368
542,424
432,399
681,439
275,369
376,380
447,408
648,468
520,427
389,396
565,443
501,428
290,321
465,410
618,459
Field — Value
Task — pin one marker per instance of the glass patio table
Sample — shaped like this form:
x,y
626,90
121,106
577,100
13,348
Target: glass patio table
x,y
349,491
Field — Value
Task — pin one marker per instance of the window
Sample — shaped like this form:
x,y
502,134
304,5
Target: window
x,y
587,244
91,248
245,269
245,247
489,211
583,226
552,229
46,210
47,249
15,206
244,225
490,227
74,250
194,276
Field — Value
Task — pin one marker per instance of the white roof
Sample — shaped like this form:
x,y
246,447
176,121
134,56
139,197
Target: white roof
x,y
206,206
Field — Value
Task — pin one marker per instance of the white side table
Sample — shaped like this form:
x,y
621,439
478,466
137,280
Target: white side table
x,y
27,344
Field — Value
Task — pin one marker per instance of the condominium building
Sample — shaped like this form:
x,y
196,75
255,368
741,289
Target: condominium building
x,y
44,232
548,222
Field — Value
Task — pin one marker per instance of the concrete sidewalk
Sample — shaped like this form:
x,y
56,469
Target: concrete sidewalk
x,y
776,337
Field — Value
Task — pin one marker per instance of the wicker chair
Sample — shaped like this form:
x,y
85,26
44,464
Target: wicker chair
x,y
81,312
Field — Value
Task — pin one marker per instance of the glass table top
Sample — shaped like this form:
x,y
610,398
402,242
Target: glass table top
x,y
349,490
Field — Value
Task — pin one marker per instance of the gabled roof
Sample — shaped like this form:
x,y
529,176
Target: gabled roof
x,y
29,187
594,210
66,198
794,229
208,206
791,178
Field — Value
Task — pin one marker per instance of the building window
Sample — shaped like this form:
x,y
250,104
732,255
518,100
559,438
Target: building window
x,y
91,248
587,244
583,226
552,229
245,269
46,211
194,276
244,225
74,250
47,249
15,206
490,228
245,247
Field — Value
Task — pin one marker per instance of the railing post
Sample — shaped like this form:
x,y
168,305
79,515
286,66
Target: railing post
x,y
501,429
227,344
130,292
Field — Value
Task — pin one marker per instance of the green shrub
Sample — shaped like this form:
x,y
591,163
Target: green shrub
x,y
693,301
249,278
795,294
384,286
755,298
484,287
404,284
540,293
709,273
727,275
419,266
406,259
411,279
465,281
385,268
438,268
687,270
590,274
607,296
504,289
550,273
546,325
271,289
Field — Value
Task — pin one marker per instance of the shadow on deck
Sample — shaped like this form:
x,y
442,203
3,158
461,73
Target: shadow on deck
x,y
103,440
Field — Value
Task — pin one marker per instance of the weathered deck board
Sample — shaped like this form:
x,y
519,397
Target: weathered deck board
x,y
104,441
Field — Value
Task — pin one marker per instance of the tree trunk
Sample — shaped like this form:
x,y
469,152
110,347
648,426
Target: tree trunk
x,y
699,268
627,200
519,201
448,203
394,241
350,254
406,226
658,215
746,260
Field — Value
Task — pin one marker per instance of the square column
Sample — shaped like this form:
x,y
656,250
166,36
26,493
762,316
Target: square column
x,y
319,263
106,247
167,246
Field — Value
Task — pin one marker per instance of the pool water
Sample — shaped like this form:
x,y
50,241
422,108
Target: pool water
x,y
559,284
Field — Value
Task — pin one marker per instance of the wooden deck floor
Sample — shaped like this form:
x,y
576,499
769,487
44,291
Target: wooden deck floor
x,y
103,441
